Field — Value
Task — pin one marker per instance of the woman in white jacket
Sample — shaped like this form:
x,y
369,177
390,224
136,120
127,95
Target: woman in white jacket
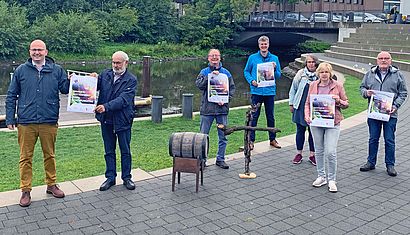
x,y
297,98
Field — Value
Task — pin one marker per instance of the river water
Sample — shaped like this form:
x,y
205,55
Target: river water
x,y
172,79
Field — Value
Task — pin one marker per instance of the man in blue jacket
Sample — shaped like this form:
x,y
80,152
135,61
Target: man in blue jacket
x,y
115,111
35,88
266,94
217,111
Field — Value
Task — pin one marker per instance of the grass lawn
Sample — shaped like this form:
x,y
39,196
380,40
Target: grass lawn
x,y
80,152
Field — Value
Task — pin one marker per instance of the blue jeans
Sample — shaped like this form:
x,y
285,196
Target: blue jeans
x,y
205,125
110,139
300,137
269,103
375,128
326,139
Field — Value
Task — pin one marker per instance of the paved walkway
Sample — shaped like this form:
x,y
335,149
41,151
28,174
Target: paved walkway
x,y
280,200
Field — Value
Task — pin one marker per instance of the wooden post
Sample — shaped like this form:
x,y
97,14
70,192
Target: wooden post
x,y
146,77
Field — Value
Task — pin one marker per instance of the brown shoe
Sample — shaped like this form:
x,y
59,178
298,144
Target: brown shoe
x,y
58,193
275,144
25,199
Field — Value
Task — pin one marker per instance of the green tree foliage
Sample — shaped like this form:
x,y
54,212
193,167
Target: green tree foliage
x,y
156,21
117,23
40,8
215,22
72,32
13,30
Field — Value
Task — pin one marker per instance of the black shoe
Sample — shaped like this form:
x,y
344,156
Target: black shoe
x,y
107,184
222,164
129,184
367,167
391,171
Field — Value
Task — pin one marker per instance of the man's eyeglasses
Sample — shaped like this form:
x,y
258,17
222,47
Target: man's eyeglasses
x,y
310,62
37,50
384,58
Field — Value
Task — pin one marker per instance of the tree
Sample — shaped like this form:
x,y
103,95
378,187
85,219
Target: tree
x,y
117,23
13,30
220,21
156,21
72,32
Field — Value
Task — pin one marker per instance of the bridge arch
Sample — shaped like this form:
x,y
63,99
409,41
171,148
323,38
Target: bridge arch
x,y
285,36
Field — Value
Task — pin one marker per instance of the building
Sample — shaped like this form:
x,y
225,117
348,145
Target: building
x,y
388,4
322,6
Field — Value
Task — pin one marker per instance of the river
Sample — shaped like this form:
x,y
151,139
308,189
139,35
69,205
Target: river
x,y
171,79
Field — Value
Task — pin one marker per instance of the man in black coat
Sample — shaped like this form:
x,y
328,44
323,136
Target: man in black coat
x,y
115,111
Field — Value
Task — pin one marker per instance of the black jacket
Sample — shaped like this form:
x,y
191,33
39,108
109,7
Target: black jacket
x,y
117,98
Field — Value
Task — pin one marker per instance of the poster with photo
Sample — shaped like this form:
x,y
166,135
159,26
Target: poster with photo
x,y
82,96
380,105
322,110
218,88
265,75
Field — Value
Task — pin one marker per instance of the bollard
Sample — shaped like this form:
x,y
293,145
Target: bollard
x,y
156,109
146,77
187,105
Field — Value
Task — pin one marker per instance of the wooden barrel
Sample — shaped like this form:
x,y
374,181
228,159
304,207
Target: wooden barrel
x,y
189,145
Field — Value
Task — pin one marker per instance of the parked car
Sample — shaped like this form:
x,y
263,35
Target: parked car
x,y
295,17
381,15
323,17
262,18
365,17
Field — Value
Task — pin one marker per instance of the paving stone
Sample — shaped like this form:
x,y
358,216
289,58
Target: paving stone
x,y
59,228
43,231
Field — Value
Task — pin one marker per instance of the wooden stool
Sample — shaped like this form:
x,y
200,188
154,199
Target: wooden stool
x,y
187,165
188,150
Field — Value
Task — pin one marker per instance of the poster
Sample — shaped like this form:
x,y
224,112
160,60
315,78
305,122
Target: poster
x,y
82,96
218,88
322,110
265,75
380,105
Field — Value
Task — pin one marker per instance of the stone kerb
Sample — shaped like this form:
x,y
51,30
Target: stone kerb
x,y
344,69
365,59
374,47
369,52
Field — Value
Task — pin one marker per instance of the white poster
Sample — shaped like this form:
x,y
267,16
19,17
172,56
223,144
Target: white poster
x,y
380,105
265,75
322,110
82,96
218,88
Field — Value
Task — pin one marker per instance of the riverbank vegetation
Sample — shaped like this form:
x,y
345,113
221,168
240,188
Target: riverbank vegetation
x,y
80,153
313,46
84,26
86,30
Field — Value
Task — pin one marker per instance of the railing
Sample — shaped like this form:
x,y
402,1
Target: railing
x,y
289,18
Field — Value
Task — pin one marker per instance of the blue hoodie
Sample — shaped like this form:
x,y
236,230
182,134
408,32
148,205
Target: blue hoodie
x,y
251,70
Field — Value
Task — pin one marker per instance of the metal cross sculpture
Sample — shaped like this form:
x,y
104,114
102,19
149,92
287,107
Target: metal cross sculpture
x,y
248,145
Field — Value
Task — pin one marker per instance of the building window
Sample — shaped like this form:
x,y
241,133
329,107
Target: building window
x,y
349,1
355,1
334,0
341,1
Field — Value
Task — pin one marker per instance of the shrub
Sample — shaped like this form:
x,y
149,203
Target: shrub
x,y
72,32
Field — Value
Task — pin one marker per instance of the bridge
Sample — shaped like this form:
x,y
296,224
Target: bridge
x,y
289,34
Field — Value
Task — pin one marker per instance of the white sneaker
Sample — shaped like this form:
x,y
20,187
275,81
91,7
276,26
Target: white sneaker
x,y
332,186
320,181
